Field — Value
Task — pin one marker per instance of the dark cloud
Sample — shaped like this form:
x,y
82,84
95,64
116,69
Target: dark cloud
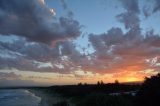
x,y
146,11
117,51
131,5
130,17
156,7
39,57
33,20
151,7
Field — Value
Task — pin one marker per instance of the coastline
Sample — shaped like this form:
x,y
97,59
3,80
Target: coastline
x,y
47,99
50,98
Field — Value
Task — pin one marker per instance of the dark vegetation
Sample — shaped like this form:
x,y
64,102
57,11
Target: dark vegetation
x,y
149,94
83,90
99,99
62,103
99,94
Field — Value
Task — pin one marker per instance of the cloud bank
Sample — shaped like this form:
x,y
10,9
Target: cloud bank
x,y
33,20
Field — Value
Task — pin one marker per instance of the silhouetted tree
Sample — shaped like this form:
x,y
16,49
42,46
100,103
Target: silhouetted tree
x,y
79,84
116,82
98,83
101,83
149,94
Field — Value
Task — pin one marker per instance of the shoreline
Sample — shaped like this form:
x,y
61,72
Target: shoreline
x,y
46,98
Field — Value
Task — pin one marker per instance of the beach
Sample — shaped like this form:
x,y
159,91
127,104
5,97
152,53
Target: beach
x,y
47,99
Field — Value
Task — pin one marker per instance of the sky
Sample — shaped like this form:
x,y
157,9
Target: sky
x,y
60,42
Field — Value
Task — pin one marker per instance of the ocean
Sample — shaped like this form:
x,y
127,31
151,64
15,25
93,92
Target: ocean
x,y
18,97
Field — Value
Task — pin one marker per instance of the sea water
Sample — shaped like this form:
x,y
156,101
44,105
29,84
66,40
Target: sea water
x,y
18,97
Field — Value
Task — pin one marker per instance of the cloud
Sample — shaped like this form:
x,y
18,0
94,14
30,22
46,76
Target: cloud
x,y
64,4
33,20
130,17
18,82
11,79
10,75
151,7
115,52
131,5
39,57
156,7
66,8
146,11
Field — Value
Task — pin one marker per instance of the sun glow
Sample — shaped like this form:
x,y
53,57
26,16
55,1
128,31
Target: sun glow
x,y
132,79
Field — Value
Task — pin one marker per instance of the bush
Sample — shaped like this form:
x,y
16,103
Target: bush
x,y
149,94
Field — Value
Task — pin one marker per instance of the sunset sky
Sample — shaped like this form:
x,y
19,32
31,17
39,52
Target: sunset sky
x,y
52,42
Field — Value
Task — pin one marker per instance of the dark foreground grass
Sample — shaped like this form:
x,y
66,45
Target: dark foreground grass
x,y
99,99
